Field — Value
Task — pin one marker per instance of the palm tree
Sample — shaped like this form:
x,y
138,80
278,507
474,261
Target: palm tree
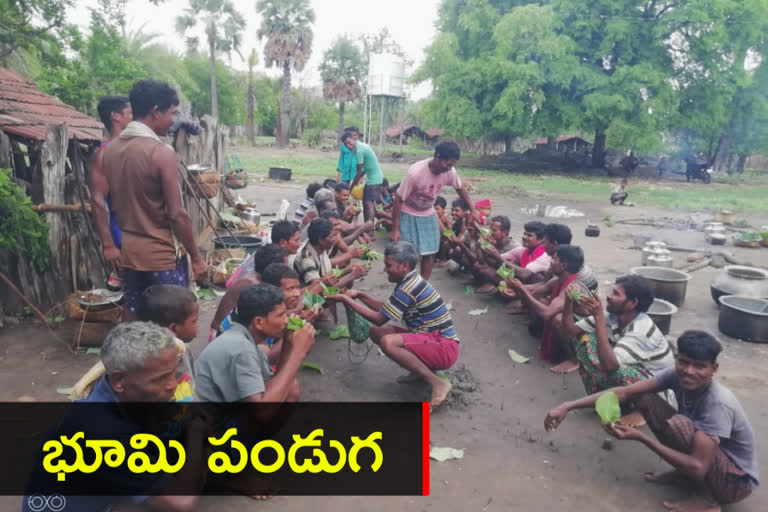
x,y
287,27
223,26
342,72
253,59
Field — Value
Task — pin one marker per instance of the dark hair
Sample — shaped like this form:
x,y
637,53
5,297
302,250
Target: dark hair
x,y
535,227
441,202
345,137
341,186
352,129
283,230
312,188
402,252
559,234
460,203
448,150
276,272
256,300
267,255
394,188
319,228
637,287
385,183
147,94
109,105
699,345
166,304
330,214
504,221
330,183
572,256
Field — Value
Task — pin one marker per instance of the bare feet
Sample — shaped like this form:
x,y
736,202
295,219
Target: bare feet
x,y
517,308
693,505
409,379
634,419
667,478
440,392
565,367
485,288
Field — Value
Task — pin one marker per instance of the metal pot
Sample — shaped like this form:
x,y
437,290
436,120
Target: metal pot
x,y
669,284
653,248
249,243
661,260
251,215
740,280
744,318
661,313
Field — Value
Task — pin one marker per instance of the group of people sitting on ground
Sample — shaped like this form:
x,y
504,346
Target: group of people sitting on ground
x,y
252,355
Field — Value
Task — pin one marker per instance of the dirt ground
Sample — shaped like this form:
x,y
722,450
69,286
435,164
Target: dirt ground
x,y
496,415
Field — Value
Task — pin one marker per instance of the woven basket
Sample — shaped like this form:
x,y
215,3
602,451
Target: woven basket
x,y
108,315
210,183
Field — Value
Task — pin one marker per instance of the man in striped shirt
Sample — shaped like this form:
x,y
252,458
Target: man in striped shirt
x,y
429,342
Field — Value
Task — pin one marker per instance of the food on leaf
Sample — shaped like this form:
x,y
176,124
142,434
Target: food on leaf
x,y
340,331
294,323
313,299
330,290
372,255
448,233
505,272
337,272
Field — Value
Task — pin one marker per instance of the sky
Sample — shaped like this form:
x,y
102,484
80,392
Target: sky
x,y
410,22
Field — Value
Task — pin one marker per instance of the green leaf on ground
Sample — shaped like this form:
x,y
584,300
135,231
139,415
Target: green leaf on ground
x,y
441,375
607,407
64,391
93,350
519,359
443,453
312,366
478,312
340,331
206,294
468,290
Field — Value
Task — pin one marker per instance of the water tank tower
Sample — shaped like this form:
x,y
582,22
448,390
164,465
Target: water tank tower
x,y
385,84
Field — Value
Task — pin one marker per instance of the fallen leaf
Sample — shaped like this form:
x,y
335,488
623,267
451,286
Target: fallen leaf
x,y
441,375
478,312
93,350
468,290
206,294
64,391
443,453
519,359
312,366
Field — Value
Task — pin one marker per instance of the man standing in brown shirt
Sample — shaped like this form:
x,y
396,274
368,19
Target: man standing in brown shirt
x,y
142,172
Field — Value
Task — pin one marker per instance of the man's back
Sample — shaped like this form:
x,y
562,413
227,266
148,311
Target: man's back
x,y
139,203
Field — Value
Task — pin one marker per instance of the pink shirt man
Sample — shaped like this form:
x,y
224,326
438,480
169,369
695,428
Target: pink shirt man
x,y
420,188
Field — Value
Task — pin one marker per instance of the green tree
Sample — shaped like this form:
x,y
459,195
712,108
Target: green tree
x,y
342,72
253,59
223,26
287,27
232,88
30,24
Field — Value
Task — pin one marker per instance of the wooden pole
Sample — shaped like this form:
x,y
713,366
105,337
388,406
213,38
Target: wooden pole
x,y
25,300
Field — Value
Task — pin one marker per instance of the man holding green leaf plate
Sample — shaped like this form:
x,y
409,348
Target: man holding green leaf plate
x,y
707,440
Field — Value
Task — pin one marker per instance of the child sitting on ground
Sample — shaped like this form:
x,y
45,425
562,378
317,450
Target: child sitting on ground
x,y
170,306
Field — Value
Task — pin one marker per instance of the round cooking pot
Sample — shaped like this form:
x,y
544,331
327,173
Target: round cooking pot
x,y
249,243
661,313
740,280
251,215
744,318
668,284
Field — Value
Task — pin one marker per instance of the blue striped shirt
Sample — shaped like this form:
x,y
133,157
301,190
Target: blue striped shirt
x,y
420,307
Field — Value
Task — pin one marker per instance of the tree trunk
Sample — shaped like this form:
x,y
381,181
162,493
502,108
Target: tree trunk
x,y
341,123
740,163
722,154
598,150
250,130
507,143
551,143
214,92
285,106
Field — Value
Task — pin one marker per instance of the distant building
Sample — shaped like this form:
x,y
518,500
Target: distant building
x,y
565,143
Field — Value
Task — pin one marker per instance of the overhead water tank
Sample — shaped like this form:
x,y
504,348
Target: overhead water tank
x,y
386,75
